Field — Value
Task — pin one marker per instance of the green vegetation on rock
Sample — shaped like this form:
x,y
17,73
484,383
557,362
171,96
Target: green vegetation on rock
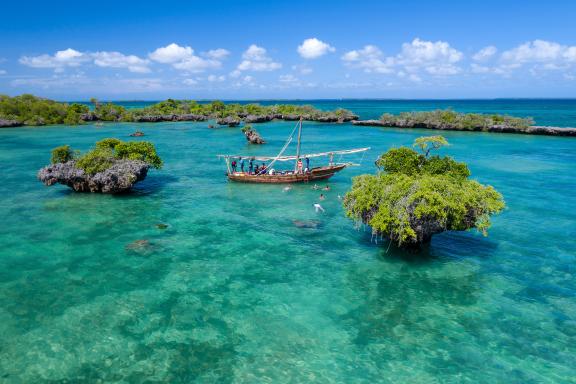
x,y
448,119
106,152
415,195
62,154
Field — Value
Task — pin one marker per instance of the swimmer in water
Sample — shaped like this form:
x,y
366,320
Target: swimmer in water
x,y
322,197
327,187
318,208
286,189
315,187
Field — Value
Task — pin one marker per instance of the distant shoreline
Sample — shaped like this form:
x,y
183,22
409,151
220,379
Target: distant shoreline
x,y
30,110
531,130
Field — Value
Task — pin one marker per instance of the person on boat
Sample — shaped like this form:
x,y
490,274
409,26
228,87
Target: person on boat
x,y
256,170
250,166
234,166
242,165
307,164
299,166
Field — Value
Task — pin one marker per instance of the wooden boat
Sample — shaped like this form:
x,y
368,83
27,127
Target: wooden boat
x,y
318,173
271,176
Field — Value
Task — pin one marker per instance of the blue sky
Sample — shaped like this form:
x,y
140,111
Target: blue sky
x,y
289,49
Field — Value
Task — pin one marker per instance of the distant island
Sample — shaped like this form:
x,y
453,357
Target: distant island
x,y
449,120
31,110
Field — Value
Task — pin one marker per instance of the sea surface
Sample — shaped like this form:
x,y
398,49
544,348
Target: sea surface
x,y
232,291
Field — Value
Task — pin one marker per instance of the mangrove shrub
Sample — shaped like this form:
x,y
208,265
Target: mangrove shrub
x,y
62,154
415,195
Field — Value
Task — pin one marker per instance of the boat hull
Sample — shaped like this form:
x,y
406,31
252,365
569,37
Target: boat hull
x,y
319,173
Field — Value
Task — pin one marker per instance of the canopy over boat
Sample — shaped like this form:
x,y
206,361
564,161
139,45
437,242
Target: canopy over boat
x,y
292,158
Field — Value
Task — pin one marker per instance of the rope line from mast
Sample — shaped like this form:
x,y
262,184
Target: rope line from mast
x,y
283,148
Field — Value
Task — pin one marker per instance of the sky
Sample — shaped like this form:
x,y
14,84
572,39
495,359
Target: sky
x,y
410,49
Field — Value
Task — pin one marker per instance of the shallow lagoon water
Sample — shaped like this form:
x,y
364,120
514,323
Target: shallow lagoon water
x,y
232,291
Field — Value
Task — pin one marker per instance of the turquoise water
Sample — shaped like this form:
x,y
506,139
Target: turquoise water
x,y
233,292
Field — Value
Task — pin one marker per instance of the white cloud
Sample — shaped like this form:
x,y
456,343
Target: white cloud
x,y
302,69
539,51
423,52
485,53
217,54
119,60
370,59
183,58
197,64
245,81
73,58
190,81
171,53
443,70
255,58
436,58
61,59
314,48
537,57
288,79
213,78
235,73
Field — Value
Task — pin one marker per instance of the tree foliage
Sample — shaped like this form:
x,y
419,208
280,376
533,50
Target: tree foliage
x,y
429,143
62,154
448,119
416,196
139,150
96,160
32,110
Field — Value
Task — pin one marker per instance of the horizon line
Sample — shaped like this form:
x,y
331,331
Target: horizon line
x,y
324,99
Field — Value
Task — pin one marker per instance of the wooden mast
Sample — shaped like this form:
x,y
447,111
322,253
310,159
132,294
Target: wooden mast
x,y
298,146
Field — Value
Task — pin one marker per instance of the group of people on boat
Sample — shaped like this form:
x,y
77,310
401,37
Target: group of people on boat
x,y
255,169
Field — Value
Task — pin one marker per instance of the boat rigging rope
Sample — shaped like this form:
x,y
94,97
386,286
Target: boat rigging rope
x,y
362,159
283,148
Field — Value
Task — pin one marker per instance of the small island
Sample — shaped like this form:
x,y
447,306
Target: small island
x,y
414,196
112,166
449,120
252,135
31,110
